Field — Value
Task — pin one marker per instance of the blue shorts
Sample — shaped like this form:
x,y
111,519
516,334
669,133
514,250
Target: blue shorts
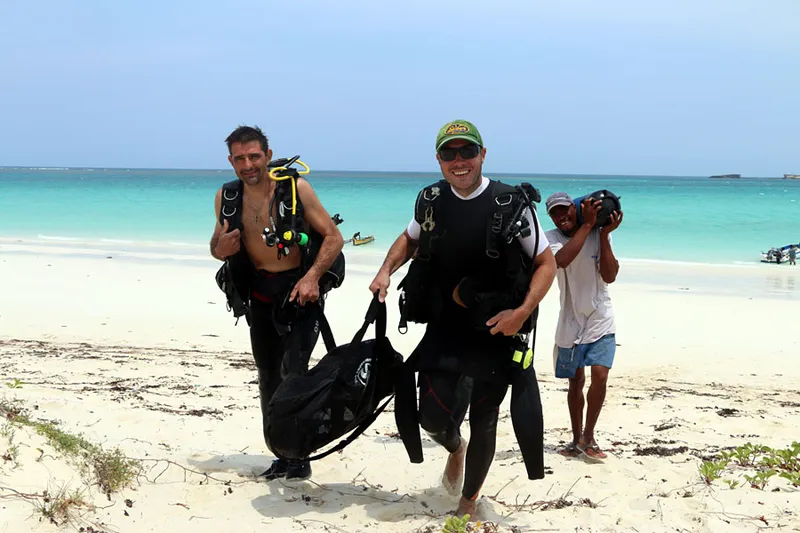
x,y
598,353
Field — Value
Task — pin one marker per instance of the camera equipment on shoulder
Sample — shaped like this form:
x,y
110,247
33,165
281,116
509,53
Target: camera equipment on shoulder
x,y
610,202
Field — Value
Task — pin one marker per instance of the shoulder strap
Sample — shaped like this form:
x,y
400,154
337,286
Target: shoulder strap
x,y
231,207
508,220
283,201
506,201
424,214
356,432
325,330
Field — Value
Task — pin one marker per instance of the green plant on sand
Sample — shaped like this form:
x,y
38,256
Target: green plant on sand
x,y
761,462
109,469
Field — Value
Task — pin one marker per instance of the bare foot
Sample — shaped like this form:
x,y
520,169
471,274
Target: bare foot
x,y
453,477
469,507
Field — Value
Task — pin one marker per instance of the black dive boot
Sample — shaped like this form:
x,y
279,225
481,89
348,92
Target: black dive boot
x,y
298,470
276,471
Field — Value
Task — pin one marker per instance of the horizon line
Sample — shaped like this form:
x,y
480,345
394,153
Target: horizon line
x,y
542,174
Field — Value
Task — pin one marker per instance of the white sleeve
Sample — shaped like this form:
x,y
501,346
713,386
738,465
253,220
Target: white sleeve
x,y
530,241
555,243
413,229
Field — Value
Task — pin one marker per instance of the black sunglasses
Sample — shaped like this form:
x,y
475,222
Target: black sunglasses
x,y
468,151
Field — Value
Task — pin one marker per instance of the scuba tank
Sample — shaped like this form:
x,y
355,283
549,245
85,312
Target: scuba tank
x,y
610,203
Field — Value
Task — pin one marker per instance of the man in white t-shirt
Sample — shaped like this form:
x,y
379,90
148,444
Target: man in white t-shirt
x,y
466,357
586,333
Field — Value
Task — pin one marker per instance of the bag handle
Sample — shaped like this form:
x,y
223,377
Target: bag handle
x,y
325,330
375,313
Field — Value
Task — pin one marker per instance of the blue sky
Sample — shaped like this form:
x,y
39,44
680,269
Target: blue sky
x,y
570,86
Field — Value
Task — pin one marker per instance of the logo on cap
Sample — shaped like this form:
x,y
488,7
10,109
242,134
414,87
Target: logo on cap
x,y
455,129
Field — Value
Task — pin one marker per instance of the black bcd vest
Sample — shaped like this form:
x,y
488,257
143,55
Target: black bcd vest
x,y
493,272
236,274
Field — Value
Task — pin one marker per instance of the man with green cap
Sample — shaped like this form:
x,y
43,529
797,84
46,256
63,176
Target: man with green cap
x,y
477,277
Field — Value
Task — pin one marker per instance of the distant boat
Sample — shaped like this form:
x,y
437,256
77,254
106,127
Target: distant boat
x,y
365,240
727,176
783,252
358,240
791,176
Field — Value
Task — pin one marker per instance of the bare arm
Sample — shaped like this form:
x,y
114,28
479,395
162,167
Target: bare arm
x,y
609,266
320,220
509,321
217,227
542,279
570,251
398,255
401,251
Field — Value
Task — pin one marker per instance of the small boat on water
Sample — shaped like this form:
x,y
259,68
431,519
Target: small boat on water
x,y
778,255
791,176
358,240
727,176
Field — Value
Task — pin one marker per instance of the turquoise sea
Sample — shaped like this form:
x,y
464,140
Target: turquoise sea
x,y
667,218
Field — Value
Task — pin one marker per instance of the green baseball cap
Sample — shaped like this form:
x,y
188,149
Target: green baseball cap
x,y
458,129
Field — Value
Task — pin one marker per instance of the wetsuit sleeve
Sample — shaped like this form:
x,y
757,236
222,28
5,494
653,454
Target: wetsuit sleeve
x,y
530,241
413,229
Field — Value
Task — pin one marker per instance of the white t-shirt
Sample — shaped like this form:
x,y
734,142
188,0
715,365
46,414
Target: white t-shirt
x,y
586,313
527,243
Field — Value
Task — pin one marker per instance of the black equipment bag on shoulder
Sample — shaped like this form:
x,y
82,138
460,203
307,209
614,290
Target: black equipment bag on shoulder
x,y
340,394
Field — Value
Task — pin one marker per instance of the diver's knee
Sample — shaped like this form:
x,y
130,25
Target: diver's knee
x,y
433,423
485,422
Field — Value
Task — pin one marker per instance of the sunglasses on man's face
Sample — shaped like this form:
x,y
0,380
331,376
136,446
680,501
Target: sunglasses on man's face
x,y
468,151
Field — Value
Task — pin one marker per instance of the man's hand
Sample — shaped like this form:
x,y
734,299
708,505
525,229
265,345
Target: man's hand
x,y
305,290
380,283
616,220
507,322
229,241
589,210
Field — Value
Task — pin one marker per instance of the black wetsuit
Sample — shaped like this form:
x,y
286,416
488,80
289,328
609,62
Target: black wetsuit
x,y
443,401
282,335
459,365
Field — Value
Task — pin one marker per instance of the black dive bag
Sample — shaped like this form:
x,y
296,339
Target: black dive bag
x,y
342,393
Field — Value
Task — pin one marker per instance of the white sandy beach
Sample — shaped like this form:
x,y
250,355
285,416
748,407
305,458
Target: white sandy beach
x,y
141,354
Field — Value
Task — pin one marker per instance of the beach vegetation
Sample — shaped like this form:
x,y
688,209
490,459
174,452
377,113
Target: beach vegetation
x,y
61,506
15,384
7,433
712,470
455,524
110,470
756,465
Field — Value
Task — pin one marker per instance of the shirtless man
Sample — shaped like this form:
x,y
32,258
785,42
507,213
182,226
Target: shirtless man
x,y
284,294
